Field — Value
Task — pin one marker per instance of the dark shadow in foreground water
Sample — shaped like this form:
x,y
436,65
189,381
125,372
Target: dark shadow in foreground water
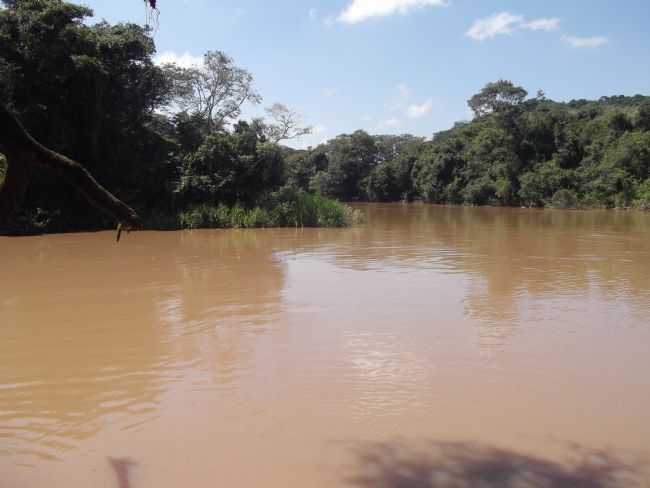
x,y
122,468
468,465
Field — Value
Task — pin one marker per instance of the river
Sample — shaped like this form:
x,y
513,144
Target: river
x,y
432,346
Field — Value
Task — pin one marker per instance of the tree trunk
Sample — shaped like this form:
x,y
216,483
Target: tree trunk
x,y
25,155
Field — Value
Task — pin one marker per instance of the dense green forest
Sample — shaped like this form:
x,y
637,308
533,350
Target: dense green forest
x,y
164,139
517,151
169,141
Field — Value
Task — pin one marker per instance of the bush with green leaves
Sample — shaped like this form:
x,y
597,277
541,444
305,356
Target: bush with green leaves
x,y
88,90
642,200
288,207
229,168
564,199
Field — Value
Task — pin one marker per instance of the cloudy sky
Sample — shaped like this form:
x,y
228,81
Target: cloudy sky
x,y
395,66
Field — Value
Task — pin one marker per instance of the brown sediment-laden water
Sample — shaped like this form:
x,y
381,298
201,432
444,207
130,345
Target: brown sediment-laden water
x,y
430,347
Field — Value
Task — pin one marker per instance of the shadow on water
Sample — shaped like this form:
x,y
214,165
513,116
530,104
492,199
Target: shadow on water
x,y
469,465
122,468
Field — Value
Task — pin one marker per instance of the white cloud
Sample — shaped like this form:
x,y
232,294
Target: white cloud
x,y
389,123
185,60
415,111
544,24
579,42
361,10
329,92
318,129
497,24
399,102
505,23
313,13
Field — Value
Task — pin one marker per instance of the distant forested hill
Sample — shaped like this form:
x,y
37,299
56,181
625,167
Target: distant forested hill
x,y
516,151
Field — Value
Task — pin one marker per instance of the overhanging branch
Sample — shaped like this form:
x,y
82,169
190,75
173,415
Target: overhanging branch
x,y
25,155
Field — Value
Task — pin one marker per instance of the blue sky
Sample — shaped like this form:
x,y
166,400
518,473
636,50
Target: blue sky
x,y
396,66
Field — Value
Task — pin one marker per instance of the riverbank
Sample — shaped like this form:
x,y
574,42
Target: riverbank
x,y
287,207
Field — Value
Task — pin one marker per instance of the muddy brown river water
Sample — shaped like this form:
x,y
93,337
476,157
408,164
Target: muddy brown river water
x,y
441,347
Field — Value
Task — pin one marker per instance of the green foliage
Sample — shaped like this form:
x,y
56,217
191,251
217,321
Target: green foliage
x,y
630,153
564,199
350,159
358,166
88,91
93,92
438,174
523,153
390,178
497,97
285,208
538,185
643,117
382,184
642,200
229,168
221,216
302,166
291,207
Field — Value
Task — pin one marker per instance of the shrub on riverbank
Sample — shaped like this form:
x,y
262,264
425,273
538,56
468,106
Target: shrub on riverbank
x,y
643,196
565,199
285,208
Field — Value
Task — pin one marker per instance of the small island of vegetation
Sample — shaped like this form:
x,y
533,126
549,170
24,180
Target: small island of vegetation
x,y
169,142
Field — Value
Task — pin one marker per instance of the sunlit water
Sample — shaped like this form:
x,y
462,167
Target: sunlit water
x,y
427,347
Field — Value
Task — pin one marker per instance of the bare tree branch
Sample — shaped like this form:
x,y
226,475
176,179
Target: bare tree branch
x,y
25,155
286,124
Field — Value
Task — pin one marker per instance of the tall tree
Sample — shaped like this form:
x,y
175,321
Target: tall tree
x,y
285,124
215,91
497,97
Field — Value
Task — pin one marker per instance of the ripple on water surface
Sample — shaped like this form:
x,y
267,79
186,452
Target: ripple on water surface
x,y
265,348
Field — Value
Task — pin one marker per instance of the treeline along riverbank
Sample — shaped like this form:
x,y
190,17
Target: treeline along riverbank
x,y
169,140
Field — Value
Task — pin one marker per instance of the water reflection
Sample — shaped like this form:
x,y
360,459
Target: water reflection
x,y
90,331
508,255
296,334
538,251
228,289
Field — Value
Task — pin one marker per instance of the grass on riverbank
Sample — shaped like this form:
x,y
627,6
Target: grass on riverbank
x,y
286,208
